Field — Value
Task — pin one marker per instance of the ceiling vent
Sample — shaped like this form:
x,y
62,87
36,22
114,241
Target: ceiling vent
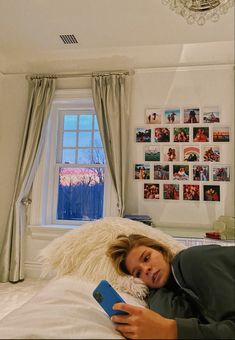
x,y
68,39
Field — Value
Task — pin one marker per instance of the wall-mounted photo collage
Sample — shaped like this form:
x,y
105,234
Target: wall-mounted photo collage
x,y
182,154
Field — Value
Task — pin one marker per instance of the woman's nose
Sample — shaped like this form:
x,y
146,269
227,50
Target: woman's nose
x,y
147,269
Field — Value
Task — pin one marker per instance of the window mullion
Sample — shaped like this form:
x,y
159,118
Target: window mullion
x,y
77,137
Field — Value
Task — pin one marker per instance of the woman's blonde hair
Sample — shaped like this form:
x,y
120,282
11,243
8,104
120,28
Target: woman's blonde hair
x,y
120,248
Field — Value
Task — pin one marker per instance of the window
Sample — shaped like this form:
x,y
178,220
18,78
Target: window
x,y
80,166
72,184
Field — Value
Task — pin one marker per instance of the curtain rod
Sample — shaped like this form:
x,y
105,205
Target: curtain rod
x,y
76,75
131,72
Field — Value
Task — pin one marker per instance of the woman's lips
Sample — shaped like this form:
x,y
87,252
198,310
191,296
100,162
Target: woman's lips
x,y
155,276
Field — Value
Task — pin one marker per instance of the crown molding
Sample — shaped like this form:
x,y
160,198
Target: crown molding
x,y
206,67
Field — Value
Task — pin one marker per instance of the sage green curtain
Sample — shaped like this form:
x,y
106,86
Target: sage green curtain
x,y
40,96
111,100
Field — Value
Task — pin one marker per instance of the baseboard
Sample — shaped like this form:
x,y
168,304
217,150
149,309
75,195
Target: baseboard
x,y
32,270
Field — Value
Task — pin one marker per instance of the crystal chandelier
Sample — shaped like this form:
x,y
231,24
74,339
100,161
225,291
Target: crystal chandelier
x,y
199,10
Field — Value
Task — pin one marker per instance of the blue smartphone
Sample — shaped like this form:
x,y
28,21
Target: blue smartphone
x,y
107,296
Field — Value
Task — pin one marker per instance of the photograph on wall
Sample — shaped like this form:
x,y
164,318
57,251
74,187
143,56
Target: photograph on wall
x,y
161,135
191,192
191,115
221,134
142,171
171,191
191,153
171,116
181,172
181,134
171,154
201,134
142,135
221,173
201,173
161,172
211,114
211,193
151,153
153,116
151,191
211,153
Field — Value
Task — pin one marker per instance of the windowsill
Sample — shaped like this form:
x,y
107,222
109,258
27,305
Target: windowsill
x,y
49,231
52,231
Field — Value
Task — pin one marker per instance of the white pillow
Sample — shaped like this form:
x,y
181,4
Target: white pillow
x,y
82,252
63,309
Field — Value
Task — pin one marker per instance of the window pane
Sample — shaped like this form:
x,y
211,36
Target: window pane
x,y
69,139
85,122
96,126
68,156
80,193
84,156
84,139
98,156
70,122
97,140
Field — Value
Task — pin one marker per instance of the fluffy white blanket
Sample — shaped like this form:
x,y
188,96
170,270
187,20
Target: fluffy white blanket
x,y
82,252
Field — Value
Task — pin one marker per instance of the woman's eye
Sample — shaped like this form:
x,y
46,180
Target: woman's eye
x,y
146,258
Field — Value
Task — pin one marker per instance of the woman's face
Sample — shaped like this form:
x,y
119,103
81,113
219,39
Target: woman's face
x,y
149,265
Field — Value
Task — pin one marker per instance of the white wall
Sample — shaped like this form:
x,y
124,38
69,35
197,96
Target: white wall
x,y
151,88
179,87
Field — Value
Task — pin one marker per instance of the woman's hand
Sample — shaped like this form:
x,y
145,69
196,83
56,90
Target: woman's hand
x,y
142,323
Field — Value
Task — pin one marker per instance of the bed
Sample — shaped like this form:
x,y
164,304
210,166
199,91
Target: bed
x,y
65,307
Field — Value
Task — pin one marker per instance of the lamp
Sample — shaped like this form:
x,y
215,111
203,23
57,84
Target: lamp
x,y
199,10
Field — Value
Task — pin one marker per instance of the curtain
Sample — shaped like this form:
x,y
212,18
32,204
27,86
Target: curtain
x,y
111,101
40,96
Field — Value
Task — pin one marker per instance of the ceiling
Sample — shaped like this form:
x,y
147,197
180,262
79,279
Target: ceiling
x,y
110,33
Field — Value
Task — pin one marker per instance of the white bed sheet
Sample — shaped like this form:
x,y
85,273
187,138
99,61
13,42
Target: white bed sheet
x,y
63,309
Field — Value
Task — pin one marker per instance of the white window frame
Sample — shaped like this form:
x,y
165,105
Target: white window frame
x,y
43,207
